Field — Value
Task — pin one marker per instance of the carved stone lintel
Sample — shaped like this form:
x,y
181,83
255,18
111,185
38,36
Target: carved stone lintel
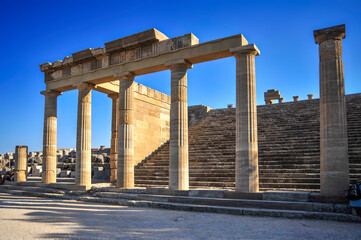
x,y
248,49
84,85
172,63
334,33
124,76
51,93
113,96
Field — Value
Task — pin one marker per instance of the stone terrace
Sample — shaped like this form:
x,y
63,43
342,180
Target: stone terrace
x,y
289,148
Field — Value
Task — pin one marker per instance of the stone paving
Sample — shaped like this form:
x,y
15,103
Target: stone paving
x,y
36,218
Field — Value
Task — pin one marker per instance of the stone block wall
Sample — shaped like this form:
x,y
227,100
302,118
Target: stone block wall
x,y
151,130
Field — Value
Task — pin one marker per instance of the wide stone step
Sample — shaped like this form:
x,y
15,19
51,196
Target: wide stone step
x,y
227,210
244,203
290,185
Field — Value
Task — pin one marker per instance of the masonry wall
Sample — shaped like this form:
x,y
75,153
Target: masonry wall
x,y
151,130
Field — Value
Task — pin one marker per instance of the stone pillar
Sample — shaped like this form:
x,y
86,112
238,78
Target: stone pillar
x,y
178,161
114,138
310,96
21,163
50,137
295,98
125,170
333,127
246,119
83,137
280,100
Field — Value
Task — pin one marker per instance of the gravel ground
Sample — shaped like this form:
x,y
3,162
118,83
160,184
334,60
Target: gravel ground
x,y
39,218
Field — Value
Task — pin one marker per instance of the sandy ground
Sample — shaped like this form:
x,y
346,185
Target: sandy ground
x,y
39,218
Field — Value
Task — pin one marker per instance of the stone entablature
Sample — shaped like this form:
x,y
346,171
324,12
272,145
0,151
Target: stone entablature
x,y
131,48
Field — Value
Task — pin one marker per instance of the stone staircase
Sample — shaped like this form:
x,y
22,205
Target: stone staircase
x,y
268,204
289,149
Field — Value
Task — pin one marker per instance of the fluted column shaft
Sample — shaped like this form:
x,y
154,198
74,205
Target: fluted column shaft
x,y
50,137
333,126
114,138
21,163
83,139
246,120
178,161
125,176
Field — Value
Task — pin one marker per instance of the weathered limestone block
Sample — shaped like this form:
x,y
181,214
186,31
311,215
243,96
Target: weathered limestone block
x,y
87,66
82,55
125,168
333,126
77,69
175,43
178,162
246,119
21,163
271,95
146,37
83,143
50,136
57,74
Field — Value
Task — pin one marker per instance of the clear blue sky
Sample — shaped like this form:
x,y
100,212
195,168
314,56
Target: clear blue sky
x,y
34,32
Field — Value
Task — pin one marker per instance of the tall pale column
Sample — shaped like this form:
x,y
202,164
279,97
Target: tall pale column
x,y
246,119
50,136
83,137
114,138
178,161
125,176
333,126
21,163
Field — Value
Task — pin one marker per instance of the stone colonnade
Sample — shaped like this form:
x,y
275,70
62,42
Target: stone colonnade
x,y
114,138
333,126
178,155
21,163
50,136
122,140
83,136
125,176
246,119
334,159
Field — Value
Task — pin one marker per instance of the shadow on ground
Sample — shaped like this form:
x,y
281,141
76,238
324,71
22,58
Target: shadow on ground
x,y
64,219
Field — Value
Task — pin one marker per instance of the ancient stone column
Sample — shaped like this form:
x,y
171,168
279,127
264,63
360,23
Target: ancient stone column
x,y
178,161
83,137
50,137
246,119
295,98
333,127
21,163
114,138
125,176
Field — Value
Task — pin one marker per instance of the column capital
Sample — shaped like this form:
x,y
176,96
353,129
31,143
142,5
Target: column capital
x,y
113,96
335,33
170,64
247,49
50,93
84,85
124,76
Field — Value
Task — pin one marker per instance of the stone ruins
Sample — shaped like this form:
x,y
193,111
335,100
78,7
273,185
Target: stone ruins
x,y
157,140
